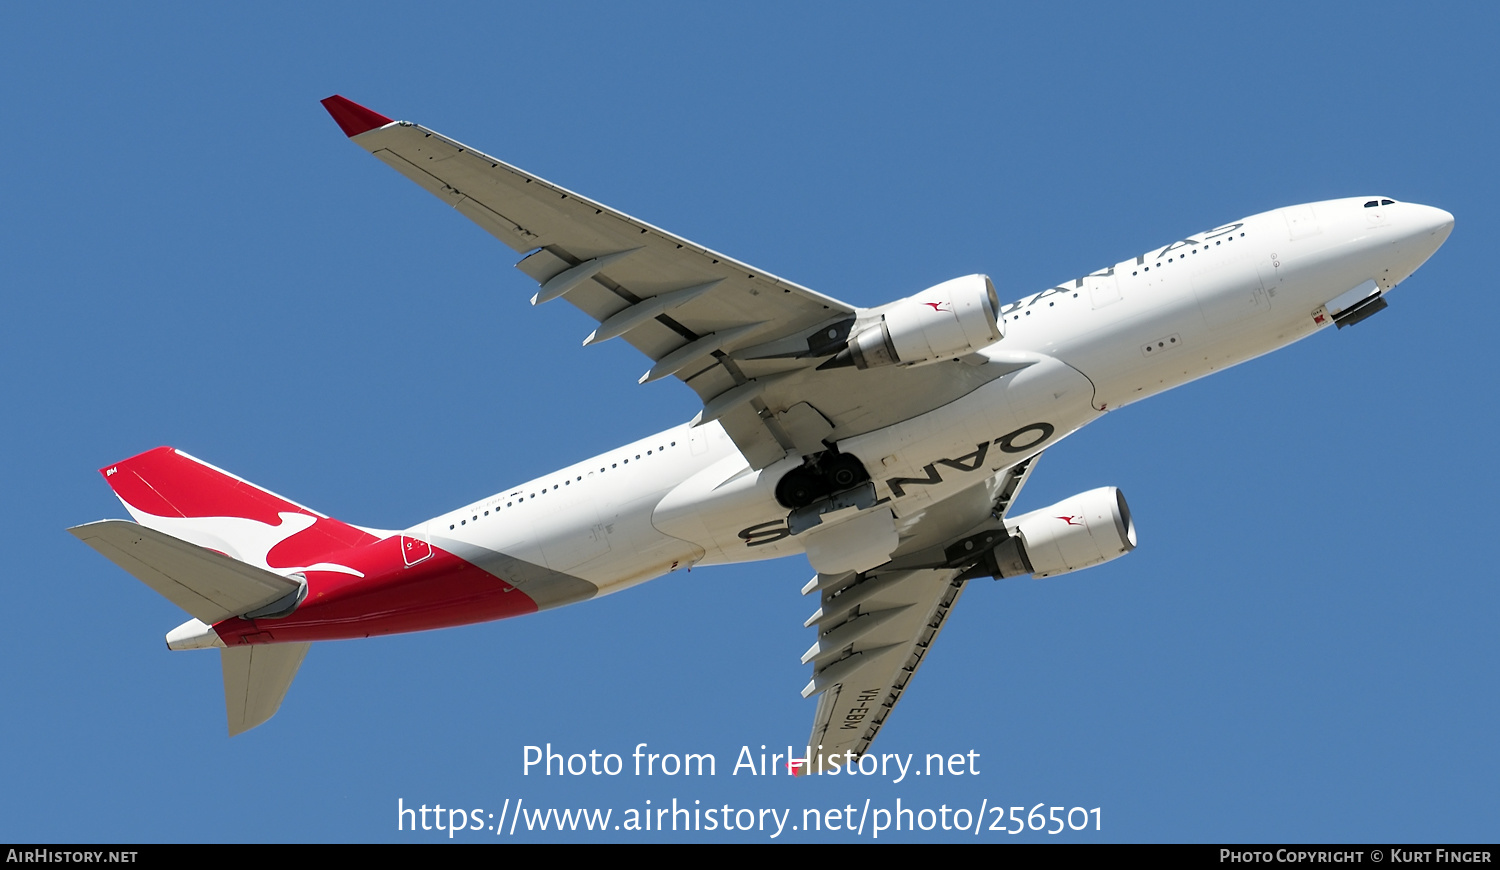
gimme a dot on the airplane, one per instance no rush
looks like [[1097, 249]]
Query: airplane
[[886, 444]]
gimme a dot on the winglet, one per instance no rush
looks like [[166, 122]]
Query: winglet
[[353, 118]]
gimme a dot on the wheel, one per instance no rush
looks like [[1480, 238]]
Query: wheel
[[799, 488], [845, 471]]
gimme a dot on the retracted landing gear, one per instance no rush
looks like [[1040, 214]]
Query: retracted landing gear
[[819, 477]]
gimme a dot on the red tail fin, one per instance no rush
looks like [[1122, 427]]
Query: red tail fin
[[170, 491]]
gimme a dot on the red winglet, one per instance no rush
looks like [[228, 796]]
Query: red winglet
[[353, 118]]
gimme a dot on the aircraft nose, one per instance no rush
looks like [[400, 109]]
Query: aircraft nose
[[1421, 230], [1431, 222]]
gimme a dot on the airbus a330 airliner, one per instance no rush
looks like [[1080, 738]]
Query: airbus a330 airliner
[[886, 444]]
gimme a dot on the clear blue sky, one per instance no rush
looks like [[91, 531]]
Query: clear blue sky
[[1302, 648]]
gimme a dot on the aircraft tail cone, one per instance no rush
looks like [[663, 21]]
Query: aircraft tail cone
[[194, 634]]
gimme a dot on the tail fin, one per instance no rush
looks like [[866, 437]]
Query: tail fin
[[170, 491]]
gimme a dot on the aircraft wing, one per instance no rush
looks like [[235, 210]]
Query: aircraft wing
[[874, 636], [747, 342], [877, 627]]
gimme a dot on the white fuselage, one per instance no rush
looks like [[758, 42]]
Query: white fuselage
[[687, 496]]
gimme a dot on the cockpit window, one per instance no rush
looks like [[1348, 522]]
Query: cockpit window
[[1387, 202], [1372, 203], [1379, 202]]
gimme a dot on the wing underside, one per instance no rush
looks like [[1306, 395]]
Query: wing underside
[[899, 616], [684, 306], [747, 342]]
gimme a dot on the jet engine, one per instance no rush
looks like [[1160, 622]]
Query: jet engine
[[949, 320], [1078, 532]]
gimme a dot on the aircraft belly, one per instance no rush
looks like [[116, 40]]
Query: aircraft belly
[[547, 587], [732, 512], [568, 530], [715, 506], [939, 453], [638, 550]]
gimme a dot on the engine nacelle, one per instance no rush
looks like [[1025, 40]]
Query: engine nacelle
[[1078, 532], [952, 319]]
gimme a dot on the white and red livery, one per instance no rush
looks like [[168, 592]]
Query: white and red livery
[[886, 444]]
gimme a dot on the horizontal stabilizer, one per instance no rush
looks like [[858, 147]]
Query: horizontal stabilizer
[[256, 679], [208, 585]]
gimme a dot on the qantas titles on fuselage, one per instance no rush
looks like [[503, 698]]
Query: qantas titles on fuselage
[[1022, 440], [888, 443], [1218, 236]]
